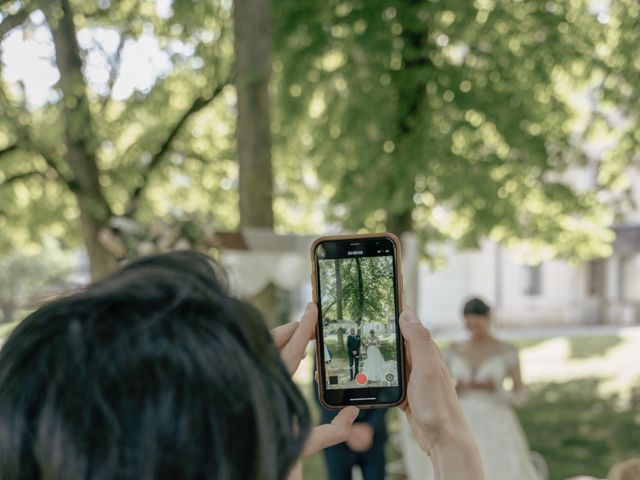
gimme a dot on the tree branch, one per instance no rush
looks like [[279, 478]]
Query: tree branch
[[27, 143], [12, 21], [116, 61], [198, 104], [19, 176], [69, 182], [8, 149], [114, 64]]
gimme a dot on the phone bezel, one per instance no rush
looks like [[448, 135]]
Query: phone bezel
[[347, 395]]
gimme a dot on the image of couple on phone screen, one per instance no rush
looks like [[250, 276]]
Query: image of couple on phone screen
[[359, 336]]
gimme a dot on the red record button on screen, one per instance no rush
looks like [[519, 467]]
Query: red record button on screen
[[361, 378]]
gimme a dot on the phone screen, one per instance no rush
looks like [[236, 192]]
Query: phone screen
[[359, 311]]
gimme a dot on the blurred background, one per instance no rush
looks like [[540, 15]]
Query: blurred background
[[499, 137]]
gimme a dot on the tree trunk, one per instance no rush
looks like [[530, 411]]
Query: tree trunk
[[253, 68], [80, 138], [339, 313], [341, 348], [338, 290], [360, 294], [8, 312], [412, 94], [253, 131], [398, 223]]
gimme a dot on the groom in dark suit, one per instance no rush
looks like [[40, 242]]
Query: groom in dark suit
[[353, 349]]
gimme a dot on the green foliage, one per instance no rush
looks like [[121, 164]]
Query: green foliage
[[593, 346], [335, 350], [461, 114], [369, 301], [388, 350], [618, 78], [195, 171], [578, 431], [456, 112]]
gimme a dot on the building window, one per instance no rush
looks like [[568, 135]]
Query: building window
[[595, 278], [533, 280]]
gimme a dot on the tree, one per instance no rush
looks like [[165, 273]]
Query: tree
[[359, 293], [253, 68], [453, 119], [365, 294], [80, 136], [125, 142], [339, 307], [615, 102]]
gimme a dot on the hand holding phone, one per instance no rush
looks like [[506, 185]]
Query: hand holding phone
[[292, 340], [357, 286], [432, 407]]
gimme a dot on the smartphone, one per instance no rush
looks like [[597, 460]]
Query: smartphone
[[357, 285]]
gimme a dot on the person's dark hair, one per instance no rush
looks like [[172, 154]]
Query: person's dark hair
[[153, 373], [475, 306]]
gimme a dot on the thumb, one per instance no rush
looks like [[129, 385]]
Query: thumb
[[417, 336], [327, 435]]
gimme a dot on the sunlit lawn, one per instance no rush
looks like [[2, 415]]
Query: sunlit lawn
[[577, 431]]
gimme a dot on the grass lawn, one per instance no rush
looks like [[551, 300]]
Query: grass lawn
[[577, 431], [593, 346]]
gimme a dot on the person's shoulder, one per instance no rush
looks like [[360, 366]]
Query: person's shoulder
[[509, 352], [459, 345], [506, 348]]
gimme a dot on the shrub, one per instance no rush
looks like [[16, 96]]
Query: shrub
[[388, 350], [332, 345]]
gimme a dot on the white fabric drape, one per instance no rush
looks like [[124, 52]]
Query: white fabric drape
[[282, 260], [250, 272]]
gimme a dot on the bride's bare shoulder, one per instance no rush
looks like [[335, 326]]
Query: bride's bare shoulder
[[506, 348], [458, 346]]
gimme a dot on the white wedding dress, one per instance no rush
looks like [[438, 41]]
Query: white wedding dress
[[374, 363], [503, 446]]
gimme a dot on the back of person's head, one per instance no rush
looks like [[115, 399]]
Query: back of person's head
[[475, 306], [628, 470], [153, 373]]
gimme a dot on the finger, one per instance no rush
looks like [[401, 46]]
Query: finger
[[282, 334], [294, 350], [332, 433]]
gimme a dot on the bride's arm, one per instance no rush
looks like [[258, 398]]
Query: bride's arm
[[517, 396]]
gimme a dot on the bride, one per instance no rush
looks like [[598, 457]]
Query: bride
[[374, 363], [479, 366]]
